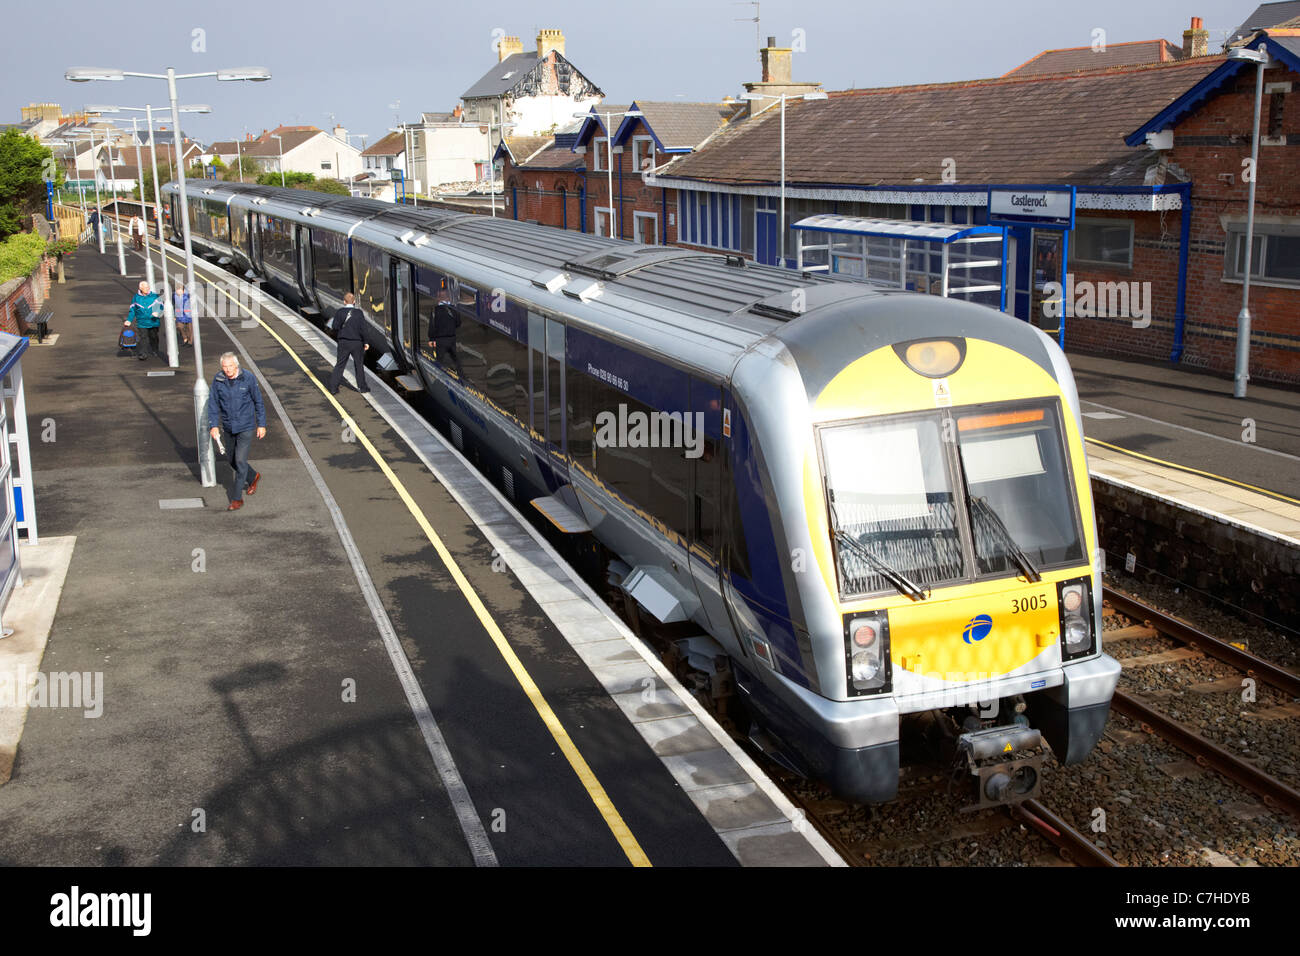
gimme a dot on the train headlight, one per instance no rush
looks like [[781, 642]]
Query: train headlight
[[866, 651], [933, 358], [865, 667], [1074, 598]]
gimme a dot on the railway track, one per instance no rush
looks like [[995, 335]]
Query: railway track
[[1147, 622]]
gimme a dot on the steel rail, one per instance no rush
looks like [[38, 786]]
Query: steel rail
[[1274, 792], [1180, 630]]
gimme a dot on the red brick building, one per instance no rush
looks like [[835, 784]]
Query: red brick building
[[566, 182]]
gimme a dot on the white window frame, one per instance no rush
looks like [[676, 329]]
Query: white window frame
[[639, 217], [636, 165], [1103, 221], [598, 151], [1263, 232], [596, 223]]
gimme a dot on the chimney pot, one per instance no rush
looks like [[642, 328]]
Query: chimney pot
[[548, 40], [1196, 40]]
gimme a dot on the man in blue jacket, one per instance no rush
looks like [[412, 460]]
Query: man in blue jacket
[[235, 405]]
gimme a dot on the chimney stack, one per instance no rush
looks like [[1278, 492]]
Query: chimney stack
[[508, 46], [777, 78], [548, 40], [776, 62], [457, 113], [340, 132], [1196, 41]]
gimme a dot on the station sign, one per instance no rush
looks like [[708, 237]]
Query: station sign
[[1047, 207]]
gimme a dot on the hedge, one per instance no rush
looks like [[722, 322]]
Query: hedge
[[20, 254]]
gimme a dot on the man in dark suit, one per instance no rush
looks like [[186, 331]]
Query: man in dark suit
[[446, 320], [351, 324]]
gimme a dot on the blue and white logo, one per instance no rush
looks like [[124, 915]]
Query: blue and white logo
[[977, 628]]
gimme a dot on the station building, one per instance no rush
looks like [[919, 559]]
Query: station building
[[1149, 146]]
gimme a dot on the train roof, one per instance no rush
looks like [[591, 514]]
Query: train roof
[[702, 308]]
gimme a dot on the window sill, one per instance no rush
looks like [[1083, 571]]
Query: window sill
[[1267, 283]]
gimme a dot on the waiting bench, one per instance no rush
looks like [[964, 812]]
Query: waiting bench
[[41, 320]]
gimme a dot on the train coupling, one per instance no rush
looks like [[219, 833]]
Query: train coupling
[[1005, 762]]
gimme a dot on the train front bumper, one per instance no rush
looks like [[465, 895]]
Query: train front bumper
[[1073, 714]]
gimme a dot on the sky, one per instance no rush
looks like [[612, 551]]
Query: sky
[[362, 65]]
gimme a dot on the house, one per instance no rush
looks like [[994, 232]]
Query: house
[[1267, 16], [449, 148], [1103, 55], [536, 93], [305, 149]]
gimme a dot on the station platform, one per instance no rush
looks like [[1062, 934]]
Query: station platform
[[376, 661], [1179, 435]]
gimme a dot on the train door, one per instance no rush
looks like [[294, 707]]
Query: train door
[[255, 241], [306, 281], [546, 385], [403, 306], [704, 454]]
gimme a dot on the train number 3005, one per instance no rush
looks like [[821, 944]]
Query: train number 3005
[[1032, 603]]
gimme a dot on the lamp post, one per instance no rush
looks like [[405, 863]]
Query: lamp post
[[169, 312], [609, 153], [117, 226], [277, 136], [408, 161], [94, 175], [815, 95], [492, 163], [1241, 375], [207, 469]]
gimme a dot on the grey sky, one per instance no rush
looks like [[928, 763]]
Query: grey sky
[[353, 59]]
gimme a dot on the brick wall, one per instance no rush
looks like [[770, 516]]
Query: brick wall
[[35, 289]]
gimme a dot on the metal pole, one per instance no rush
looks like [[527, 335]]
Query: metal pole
[[609, 168], [782, 244], [139, 171], [169, 313], [239, 160], [491, 170], [280, 140], [99, 208], [117, 226], [207, 468], [1242, 373]]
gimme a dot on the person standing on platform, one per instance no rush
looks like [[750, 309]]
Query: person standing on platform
[[351, 324], [235, 406], [184, 319], [144, 312], [93, 222], [137, 232]]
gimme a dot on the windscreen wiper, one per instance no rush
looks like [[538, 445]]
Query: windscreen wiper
[[1014, 550], [894, 577]]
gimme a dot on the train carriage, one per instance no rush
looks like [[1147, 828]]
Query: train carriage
[[866, 504]]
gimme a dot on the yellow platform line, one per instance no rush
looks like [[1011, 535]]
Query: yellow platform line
[[1204, 474], [570, 750]]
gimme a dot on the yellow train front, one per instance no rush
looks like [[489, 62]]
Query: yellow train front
[[943, 554]]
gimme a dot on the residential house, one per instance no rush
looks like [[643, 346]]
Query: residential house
[[534, 93]]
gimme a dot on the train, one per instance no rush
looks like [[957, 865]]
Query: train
[[863, 507]]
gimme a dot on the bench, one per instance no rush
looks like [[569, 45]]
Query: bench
[[41, 321]]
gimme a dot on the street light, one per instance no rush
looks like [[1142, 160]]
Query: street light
[[408, 160], [492, 162], [609, 153], [169, 313], [207, 469], [1241, 374], [277, 136], [815, 95], [94, 174]]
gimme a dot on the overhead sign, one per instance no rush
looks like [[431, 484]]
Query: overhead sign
[[1050, 207]]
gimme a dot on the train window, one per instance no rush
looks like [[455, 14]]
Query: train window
[[1016, 474], [330, 262], [370, 279], [706, 400], [635, 450], [555, 382], [890, 490], [239, 229], [536, 332], [428, 286]]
